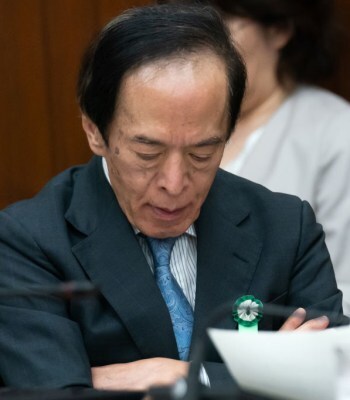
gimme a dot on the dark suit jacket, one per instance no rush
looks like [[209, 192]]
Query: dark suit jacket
[[249, 241]]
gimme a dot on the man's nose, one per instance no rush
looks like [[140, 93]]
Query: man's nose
[[173, 176]]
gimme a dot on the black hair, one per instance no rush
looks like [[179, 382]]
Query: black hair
[[311, 54], [149, 34]]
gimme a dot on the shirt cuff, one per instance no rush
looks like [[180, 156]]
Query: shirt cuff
[[203, 377]]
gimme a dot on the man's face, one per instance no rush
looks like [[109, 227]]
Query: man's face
[[166, 142]]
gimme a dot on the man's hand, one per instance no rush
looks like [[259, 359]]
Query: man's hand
[[139, 375], [296, 322]]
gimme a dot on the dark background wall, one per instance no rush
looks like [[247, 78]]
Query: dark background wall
[[41, 43]]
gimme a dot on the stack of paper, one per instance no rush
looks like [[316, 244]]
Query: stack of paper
[[287, 365]]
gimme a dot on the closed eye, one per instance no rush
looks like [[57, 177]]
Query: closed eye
[[148, 156], [201, 157]]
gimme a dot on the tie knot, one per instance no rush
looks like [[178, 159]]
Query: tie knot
[[161, 250]]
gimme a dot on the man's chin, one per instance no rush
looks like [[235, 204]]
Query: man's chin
[[162, 232]]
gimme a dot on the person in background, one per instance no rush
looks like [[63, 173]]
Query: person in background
[[292, 136], [164, 234]]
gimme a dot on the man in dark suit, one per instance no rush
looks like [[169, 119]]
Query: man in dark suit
[[160, 91]]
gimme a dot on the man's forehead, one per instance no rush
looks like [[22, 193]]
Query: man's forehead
[[204, 58], [176, 78], [175, 89]]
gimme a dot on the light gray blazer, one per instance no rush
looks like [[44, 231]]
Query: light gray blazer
[[305, 150]]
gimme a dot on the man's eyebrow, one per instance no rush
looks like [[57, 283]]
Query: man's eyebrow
[[212, 141], [209, 142], [145, 140]]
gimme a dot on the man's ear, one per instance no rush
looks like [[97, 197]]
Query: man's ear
[[94, 137]]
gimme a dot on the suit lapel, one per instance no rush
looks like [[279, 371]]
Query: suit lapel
[[112, 258], [227, 253]]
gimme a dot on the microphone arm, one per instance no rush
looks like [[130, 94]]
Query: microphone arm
[[65, 290]]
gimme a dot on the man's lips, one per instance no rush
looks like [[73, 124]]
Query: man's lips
[[166, 213]]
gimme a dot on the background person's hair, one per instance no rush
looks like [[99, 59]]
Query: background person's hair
[[146, 35], [311, 54]]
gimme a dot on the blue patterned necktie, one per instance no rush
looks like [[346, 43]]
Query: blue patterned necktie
[[179, 308]]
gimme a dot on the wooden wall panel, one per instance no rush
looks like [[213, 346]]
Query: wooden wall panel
[[68, 28], [41, 43], [340, 83], [25, 162]]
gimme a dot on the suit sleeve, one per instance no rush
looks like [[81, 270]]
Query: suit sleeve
[[36, 333], [313, 282]]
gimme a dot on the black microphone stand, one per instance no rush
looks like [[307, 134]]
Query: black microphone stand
[[65, 290]]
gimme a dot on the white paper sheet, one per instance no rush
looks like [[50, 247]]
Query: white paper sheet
[[284, 365]]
